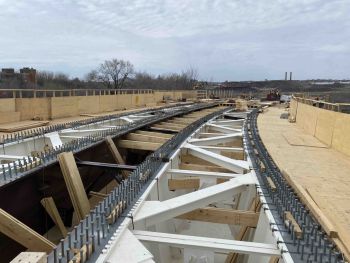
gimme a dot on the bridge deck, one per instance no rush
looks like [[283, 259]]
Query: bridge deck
[[322, 172]]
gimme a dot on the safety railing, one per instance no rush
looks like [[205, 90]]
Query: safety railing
[[339, 107], [48, 93]]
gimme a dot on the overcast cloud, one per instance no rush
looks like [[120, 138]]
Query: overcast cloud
[[223, 39]]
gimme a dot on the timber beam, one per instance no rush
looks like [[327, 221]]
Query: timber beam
[[183, 183], [138, 145], [23, 234], [145, 138], [154, 134], [223, 216]]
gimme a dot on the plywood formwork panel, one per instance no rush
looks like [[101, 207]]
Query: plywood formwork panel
[[7, 105], [341, 134], [108, 103], [7, 117], [325, 125], [34, 108], [124, 101], [64, 107], [308, 119], [88, 104]]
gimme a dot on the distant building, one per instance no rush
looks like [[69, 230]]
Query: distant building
[[25, 78], [28, 75]]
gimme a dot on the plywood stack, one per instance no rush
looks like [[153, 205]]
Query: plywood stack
[[21, 125], [74, 184]]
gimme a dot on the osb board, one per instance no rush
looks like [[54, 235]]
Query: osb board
[[124, 101], [341, 134], [331, 128], [325, 125], [310, 167], [7, 105], [64, 107], [6, 117], [308, 119], [302, 140], [108, 103], [34, 108], [88, 104], [21, 125]]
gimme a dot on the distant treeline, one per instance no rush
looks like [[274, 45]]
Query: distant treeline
[[112, 74]]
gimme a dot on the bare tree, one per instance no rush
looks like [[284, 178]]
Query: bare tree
[[112, 73]]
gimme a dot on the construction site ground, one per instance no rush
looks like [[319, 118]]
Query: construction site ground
[[321, 172]]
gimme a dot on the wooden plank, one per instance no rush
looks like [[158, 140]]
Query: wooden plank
[[23, 234], [271, 184], [221, 180], [274, 259], [298, 232], [30, 257], [22, 125], [145, 138], [244, 230], [113, 149], [81, 255], [223, 216], [168, 123], [178, 122], [156, 134], [304, 196], [116, 154], [74, 184], [49, 204], [184, 183], [163, 129], [167, 127], [148, 146], [200, 167], [189, 158], [98, 194]]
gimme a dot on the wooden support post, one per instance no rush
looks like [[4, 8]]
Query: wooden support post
[[23, 234], [223, 216], [271, 184], [50, 207], [183, 183], [116, 154], [290, 218], [74, 184], [255, 207], [116, 212], [81, 255], [113, 149]]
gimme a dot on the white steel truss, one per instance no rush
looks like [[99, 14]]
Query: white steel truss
[[157, 218]]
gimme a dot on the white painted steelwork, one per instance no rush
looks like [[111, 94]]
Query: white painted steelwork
[[169, 239]]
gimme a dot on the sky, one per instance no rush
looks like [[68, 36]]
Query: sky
[[222, 39]]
